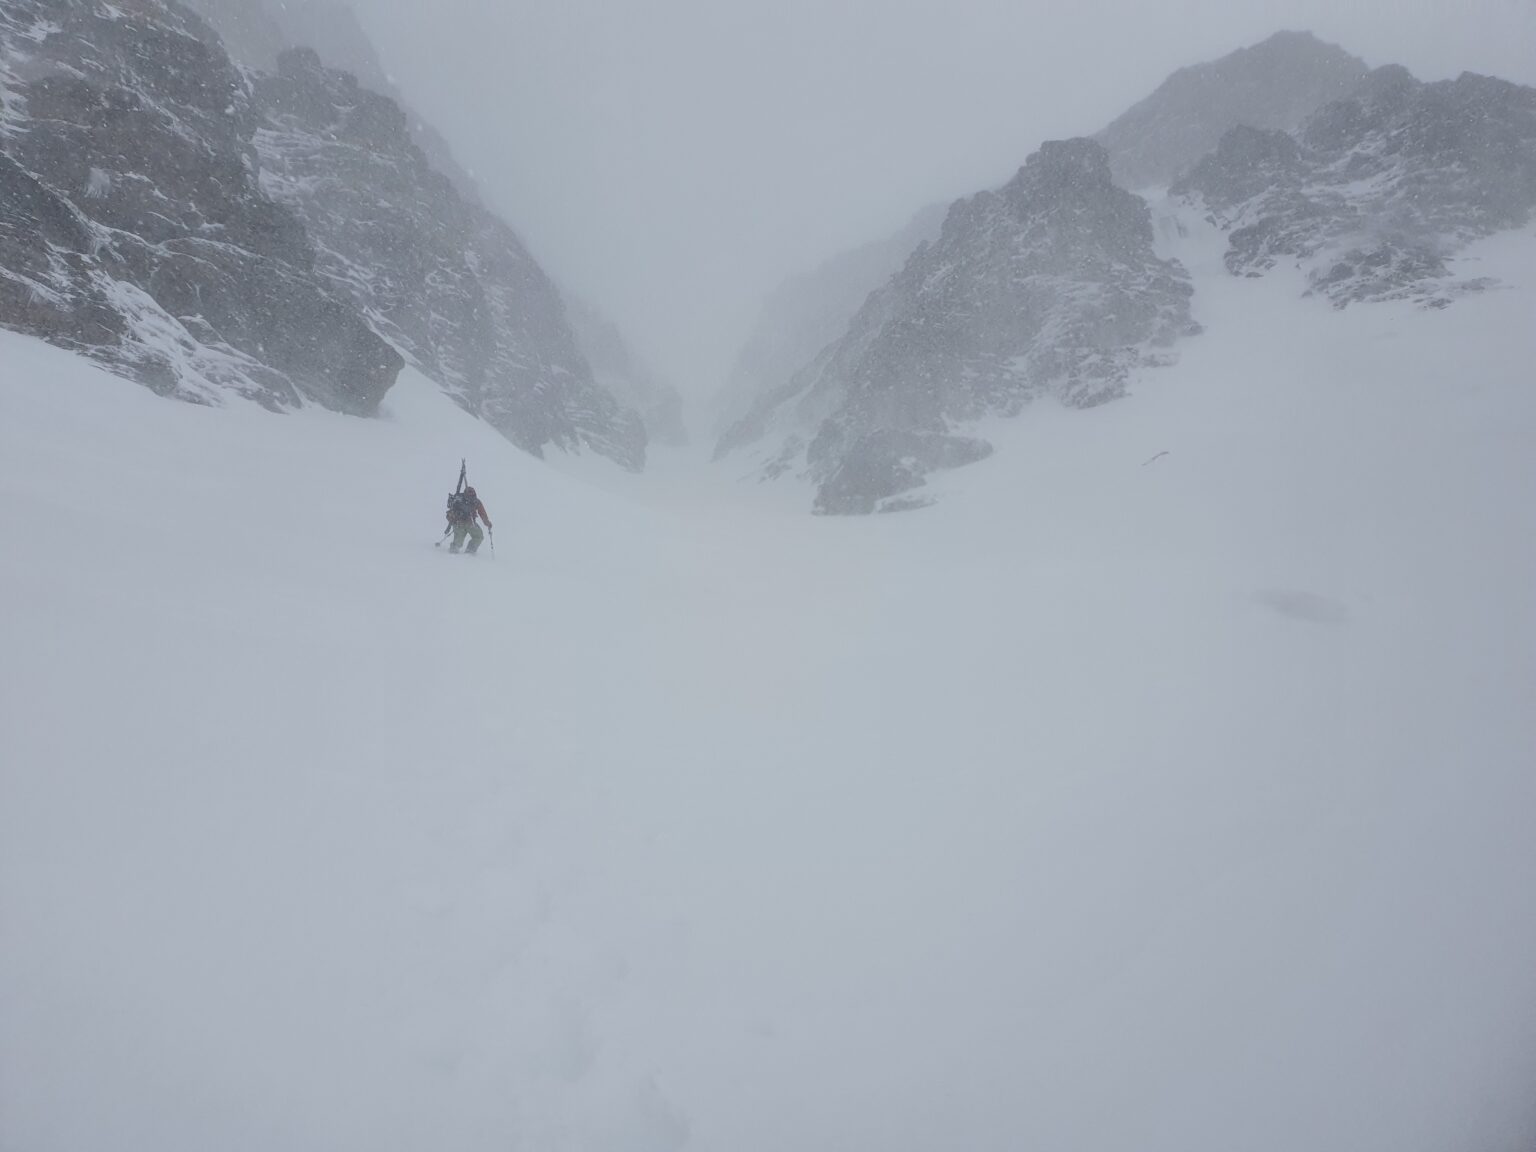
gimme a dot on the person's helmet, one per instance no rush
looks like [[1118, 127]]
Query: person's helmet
[[468, 491]]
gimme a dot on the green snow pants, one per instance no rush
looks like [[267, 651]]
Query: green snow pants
[[466, 528]]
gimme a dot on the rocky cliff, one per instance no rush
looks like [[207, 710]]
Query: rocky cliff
[[257, 32], [1375, 192], [447, 282], [1048, 286], [1273, 84], [133, 225], [211, 229]]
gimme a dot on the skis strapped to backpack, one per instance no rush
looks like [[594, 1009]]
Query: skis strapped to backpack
[[459, 507]]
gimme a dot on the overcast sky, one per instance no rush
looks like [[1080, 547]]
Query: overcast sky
[[674, 160]]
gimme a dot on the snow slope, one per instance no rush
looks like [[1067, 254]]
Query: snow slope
[[1112, 803]]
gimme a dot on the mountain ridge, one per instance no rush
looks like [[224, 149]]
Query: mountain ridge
[[214, 230], [159, 253], [1374, 192], [448, 282], [1046, 286], [1371, 195]]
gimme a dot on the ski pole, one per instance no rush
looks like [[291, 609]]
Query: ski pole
[[492, 533], [438, 543]]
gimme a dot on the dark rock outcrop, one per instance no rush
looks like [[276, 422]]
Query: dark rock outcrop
[[133, 226], [1377, 190], [1275, 84], [1048, 286], [442, 276], [448, 283], [257, 32]]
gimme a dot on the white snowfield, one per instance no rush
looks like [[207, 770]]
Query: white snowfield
[[1169, 785]]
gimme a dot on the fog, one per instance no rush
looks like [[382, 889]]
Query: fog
[[1156, 775], [674, 161]]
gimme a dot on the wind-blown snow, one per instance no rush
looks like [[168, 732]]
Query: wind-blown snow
[[1168, 785]]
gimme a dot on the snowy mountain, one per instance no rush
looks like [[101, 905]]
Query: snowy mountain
[[211, 229], [447, 282], [1376, 191], [806, 313], [1275, 84], [1048, 286], [132, 221], [257, 32], [1167, 785]]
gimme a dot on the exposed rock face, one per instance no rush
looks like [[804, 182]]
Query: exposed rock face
[[132, 223], [1048, 286], [1274, 84], [621, 372], [208, 229], [256, 33], [445, 281], [809, 312], [1377, 190]]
